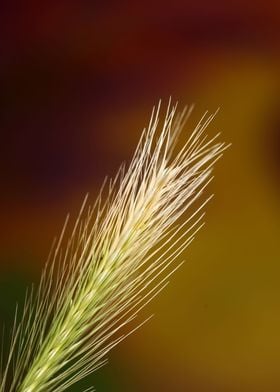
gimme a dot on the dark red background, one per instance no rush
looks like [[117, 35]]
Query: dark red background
[[77, 84]]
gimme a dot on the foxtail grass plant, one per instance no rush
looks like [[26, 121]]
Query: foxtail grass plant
[[117, 258]]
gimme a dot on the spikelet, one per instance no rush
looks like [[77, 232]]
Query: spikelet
[[118, 257]]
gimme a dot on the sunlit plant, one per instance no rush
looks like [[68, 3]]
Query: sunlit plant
[[118, 257]]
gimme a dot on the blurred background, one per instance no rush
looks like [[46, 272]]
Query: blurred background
[[78, 82]]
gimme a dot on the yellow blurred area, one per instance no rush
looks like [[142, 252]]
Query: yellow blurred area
[[219, 321]]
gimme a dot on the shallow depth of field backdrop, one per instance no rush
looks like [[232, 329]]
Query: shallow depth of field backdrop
[[77, 84]]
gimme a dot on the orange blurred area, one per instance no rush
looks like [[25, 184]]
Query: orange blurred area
[[78, 82]]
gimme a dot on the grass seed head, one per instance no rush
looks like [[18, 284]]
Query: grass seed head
[[118, 257]]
